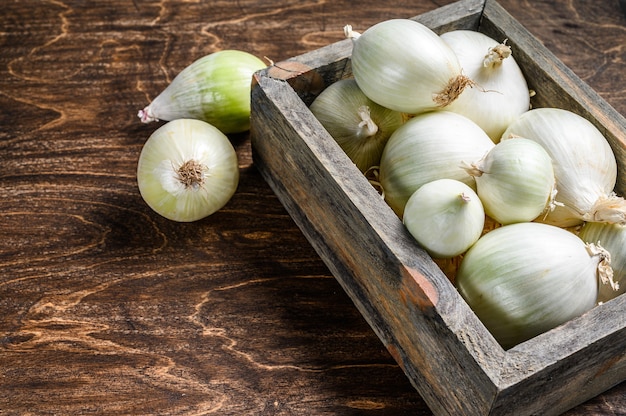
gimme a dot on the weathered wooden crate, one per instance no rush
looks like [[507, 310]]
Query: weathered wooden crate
[[449, 356]]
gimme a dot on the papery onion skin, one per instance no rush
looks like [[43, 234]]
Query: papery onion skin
[[429, 146], [215, 88], [168, 149], [445, 216], [612, 237], [403, 65], [500, 93], [524, 279], [339, 107], [584, 164], [515, 181]]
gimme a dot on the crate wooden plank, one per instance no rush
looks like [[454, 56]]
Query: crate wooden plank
[[446, 352]]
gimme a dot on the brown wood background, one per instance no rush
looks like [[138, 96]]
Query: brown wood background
[[107, 308]]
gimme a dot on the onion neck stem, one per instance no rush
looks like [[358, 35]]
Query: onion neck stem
[[496, 55], [367, 127]]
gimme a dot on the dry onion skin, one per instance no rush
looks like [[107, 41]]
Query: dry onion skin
[[187, 170], [524, 279], [403, 65], [360, 126]]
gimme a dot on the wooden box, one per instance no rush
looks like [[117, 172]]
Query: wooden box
[[449, 356]]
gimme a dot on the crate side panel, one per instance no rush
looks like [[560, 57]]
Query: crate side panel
[[398, 301], [570, 374]]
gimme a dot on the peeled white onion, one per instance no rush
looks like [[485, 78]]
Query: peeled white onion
[[445, 216], [360, 126], [515, 180], [403, 65], [527, 278], [500, 93], [429, 146], [584, 166], [187, 170]]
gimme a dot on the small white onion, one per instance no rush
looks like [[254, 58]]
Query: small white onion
[[612, 238], [429, 146], [445, 216], [187, 170], [527, 278], [360, 126], [584, 166], [403, 65], [500, 93], [515, 181]]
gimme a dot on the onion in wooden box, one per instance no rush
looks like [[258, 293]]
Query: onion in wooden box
[[448, 354]]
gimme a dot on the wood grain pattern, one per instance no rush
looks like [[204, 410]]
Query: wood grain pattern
[[106, 308]]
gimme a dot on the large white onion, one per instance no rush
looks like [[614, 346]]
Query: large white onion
[[405, 66], [584, 166], [429, 146], [500, 93], [527, 278]]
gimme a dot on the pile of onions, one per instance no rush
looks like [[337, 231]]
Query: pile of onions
[[478, 176]]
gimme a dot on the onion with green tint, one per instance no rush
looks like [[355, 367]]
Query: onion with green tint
[[445, 216], [524, 279], [359, 125], [215, 88]]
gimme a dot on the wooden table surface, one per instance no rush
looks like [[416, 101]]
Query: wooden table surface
[[107, 308]]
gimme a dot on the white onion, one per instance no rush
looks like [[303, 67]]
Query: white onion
[[612, 238], [214, 88], [360, 126], [429, 146], [584, 166], [187, 170], [500, 93], [527, 278], [515, 181], [445, 216], [405, 66]]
